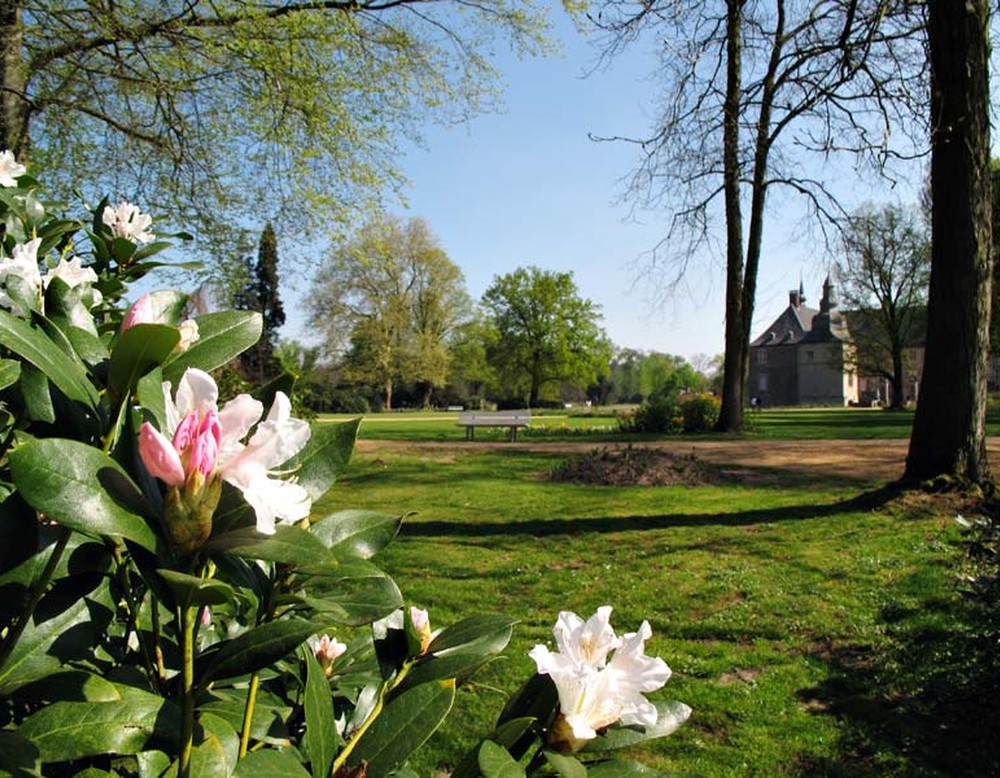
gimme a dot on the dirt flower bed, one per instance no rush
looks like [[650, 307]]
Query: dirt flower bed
[[635, 466]]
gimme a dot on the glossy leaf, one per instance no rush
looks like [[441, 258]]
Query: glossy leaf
[[486, 633], [255, 649], [670, 715], [565, 766], [71, 686], [31, 344], [360, 601], [495, 762], [221, 337], [290, 545], [218, 728], [189, 590], [10, 369], [152, 764], [403, 726], [73, 730], [620, 768], [269, 763], [66, 305], [18, 756], [537, 699], [355, 533], [137, 351], [81, 488], [35, 394], [65, 627], [322, 738], [507, 735], [325, 456]]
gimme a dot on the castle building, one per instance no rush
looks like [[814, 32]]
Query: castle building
[[806, 356]]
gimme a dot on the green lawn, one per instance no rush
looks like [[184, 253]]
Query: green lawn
[[600, 425], [814, 627]]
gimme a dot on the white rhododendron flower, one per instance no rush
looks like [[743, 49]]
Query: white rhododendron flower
[[72, 273], [248, 466], [127, 221], [595, 692], [22, 264], [10, 169]]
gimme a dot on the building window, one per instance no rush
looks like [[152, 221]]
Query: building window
[[761, 357], [809, 356], [762, 383]]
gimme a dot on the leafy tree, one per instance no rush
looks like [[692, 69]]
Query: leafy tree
[[949, 428], [748, 87], [546, 334], [260, 293], [469, 369], [884, 275], [247, 107], [388, 300]]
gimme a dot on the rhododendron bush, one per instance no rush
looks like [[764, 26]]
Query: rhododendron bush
[[171, 603]]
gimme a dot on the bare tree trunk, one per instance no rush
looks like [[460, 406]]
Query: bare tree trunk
[[387, 395], [949, 427], [898, 378], [13, 108], [736, 360]]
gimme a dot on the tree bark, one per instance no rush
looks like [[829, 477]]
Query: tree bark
[[736, 360], [13, 106], [948, 434]]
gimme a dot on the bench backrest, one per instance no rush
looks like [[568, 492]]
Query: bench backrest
[[500, 418]]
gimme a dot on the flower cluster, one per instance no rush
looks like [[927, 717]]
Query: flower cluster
[[595, 692], [202, 444]]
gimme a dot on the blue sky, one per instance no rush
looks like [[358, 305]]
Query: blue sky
[[527, 187]]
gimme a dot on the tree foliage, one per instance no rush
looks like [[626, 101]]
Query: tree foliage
[[546, 334], [884, 273], [260, 293], [242, 107], [748, 90], [387, 301]]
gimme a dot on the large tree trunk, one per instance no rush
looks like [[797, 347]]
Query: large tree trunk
[[898, 378], [736, 359], [949, 427], [13, 108]]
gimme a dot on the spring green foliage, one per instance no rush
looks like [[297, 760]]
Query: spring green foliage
[[545, 334], [388, 300], [238, 110]]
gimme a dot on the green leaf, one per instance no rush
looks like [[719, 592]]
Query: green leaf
[[208, 760], [289, 545], [166, 306], [66, 626], [35, 394], [73, 730], [486, 633], [71, 686], [255, 649], [10, 369], [325, 456], [218, 729], [189, 590], [508, 735], [270, 763], [565, 766], [221, 337], [81, 488], [149, 391], [18, 756], [403, 726], [359, 601], [152, 764], [495, 762], [356, 533], [67, 306], [137, 351], [322, 738], [32, 345], [670, 715]]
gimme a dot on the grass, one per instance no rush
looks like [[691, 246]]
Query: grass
[[814, 626], [599, 425]]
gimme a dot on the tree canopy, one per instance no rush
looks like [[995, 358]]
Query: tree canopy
[[232, 110], [546, 334], [388, 300]]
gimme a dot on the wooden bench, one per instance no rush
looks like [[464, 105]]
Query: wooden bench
[[510, 419]]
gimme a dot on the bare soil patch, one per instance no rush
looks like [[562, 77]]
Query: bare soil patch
[[638, 466]]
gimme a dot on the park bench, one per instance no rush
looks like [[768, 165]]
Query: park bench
[[510, 419]]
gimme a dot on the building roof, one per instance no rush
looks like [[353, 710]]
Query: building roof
[[799, 324], [789, 328]]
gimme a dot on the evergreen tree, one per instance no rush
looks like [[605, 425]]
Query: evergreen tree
[[259, 292]]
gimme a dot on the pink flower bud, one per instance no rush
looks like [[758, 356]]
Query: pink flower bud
[[197, 441], [139, 312], [159, 456], [327, 650], [206, 616]]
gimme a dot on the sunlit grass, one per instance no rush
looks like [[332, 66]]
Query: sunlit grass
[[787, 611]]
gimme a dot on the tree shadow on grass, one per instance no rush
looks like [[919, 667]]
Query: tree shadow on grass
[[927, 704], [539, 528]]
